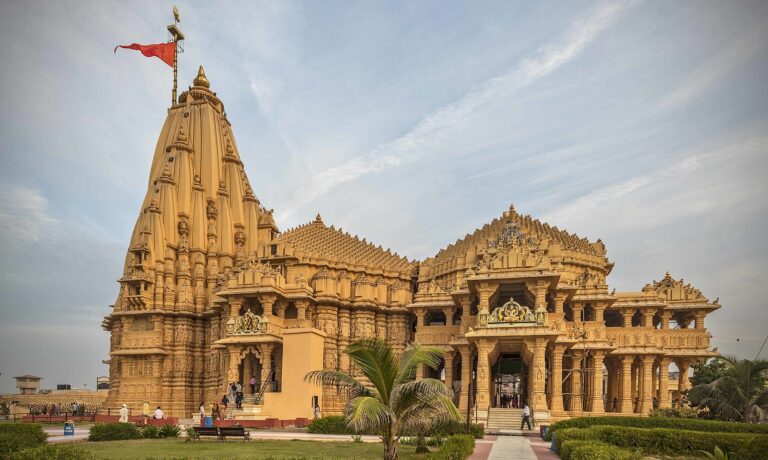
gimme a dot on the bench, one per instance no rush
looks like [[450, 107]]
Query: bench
[[236, 431], [206, 431], [221, 433]]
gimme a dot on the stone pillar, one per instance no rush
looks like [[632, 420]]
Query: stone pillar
[[556, 378], [647, 318], [598, 406], [576, 400], [247, 369], [280, 306], [420, 315], [665, 315], [699, 320], [646, 396], [234, 364], [626, 316], [682, 383], [234, 307], [301, 310], [483, 377], [466, 308], [466, 378], [537, 374], [636, 384], [664, 382], [626, 384], [266, 366], [344, 338], [578, 310], [449, 369], [267, 302]]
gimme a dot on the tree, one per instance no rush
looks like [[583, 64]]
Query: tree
[[386, 399], [740, 394], [707, 371]]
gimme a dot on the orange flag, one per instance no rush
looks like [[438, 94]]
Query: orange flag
[[164, 51]]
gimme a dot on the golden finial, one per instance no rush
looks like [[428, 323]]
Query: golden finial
[[200, 79]]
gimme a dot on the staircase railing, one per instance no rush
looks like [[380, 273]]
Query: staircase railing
[[263, 387]]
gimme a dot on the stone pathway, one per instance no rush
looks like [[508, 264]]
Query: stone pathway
[[512, 448]]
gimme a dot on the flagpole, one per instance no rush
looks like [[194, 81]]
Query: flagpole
[[177, 37]]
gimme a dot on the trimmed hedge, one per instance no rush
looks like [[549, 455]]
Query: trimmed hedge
[[659, 440], [755, 449], [456, 447], [114, 432], [52, 452], [331, 424], [17, 436], [660, 422], [592, 450], [336, 424]]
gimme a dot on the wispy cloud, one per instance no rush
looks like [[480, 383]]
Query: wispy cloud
[[24, 214], [429, 132]]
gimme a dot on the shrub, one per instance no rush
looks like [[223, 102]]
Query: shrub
[[113, 432], [169, 431], [660, 422], [17, 436], [591, 450], [446, 429], [332, 424], [676, 412], [150, 432], [456, 447], [660, 440], [753, 450], [52, 452]]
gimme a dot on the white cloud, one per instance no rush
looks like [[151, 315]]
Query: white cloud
[[24, 214], [427, 135]]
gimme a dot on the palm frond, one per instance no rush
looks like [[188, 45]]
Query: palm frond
[[416, 391], [417, 354], [368, 413], [377, 362], [338, 380]]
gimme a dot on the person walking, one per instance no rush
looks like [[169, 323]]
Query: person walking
[[123, 414], [202, 413], [253, 384], [145, 411], [526, 417], [317, 411]]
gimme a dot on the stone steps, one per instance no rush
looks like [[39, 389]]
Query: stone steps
[[500, 419]]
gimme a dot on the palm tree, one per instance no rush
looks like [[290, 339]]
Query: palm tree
[[387, 399], [740, 394]]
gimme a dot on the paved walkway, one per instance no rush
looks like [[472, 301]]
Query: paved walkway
[[512, 448]]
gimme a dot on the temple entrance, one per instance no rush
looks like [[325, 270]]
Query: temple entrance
[[509, 377], [250, 368]]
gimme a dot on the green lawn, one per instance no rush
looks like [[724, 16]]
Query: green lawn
[[256, 449]]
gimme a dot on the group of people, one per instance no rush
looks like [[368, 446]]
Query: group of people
[[510, 401], [158, 414]]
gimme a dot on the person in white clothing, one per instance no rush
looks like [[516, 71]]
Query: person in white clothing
[[124, 414], [202, 414], [159, 413], [526, 417]]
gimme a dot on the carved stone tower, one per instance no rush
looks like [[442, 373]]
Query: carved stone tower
[[199, 217]]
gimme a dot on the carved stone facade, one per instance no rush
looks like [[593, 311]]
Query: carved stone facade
[[212, 293]]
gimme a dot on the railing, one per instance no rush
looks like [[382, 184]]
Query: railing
[[264, 385]]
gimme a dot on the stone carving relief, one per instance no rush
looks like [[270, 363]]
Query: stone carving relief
[[248, 323], [511, 312]]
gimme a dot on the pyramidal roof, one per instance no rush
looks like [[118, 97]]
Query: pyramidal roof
[[334, 244], [513, 225], [198, 193]]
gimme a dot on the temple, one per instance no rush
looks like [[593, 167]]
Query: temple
[[213, 293]]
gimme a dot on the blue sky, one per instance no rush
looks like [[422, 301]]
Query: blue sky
[[407, 123]]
